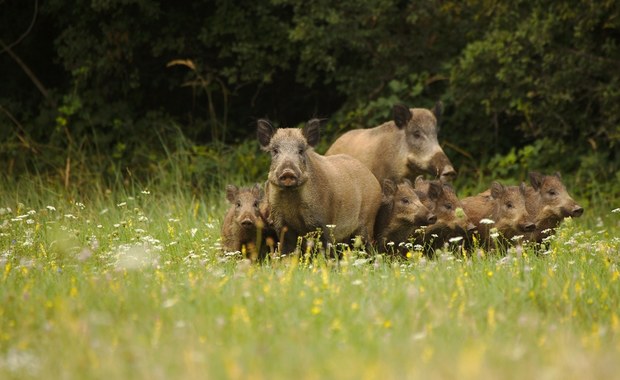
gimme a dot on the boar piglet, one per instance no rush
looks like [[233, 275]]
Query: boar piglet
[[452, 221], [549, 202], [245, 226], [309, 192], [400, 214], [402, 148], [501, 207]]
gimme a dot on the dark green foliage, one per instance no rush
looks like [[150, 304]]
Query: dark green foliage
[[129, 88]]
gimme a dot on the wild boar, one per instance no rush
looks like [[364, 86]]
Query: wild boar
[[245, 227], [501, 207], [402, 148], [452, 221], [308, 191], [401, 212], [549, 202]]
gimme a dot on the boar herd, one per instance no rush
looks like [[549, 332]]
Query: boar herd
[[369, 187]]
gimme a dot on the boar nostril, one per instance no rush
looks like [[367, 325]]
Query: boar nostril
[[432, 218], [247, 222], [529, 227], [578, 211]]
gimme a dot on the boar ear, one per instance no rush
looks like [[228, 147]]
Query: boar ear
[[522, 188], [312, 131], [257, 192], [389, 188], [264, 132], [401, 115], [557, 174], [437, 110], [536, 180], [231, 193], [419, 181], [434, 190], [406, 182], [497, 190]]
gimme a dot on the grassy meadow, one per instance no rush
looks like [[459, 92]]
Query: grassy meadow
[[131, 285]]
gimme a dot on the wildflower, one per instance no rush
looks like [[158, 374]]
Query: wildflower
[[330, 226], [616, 210], [517, 237], [122, 204], [487, 221], [70, 216], [455, 239], [145, 192]]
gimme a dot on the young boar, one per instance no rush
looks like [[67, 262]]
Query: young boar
[[402, 148], [440, 198], [401, 212], [503, 208], [245, 226], [308, 191], [549, 202]]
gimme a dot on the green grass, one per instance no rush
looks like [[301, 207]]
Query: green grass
[[115, 284]]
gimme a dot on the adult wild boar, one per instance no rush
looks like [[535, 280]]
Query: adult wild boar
[[401, 212], [402, 148], [549, 202], [308, 191], [501, 207], [452, 221], [245, 226]]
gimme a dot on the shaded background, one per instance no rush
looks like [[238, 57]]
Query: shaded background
[[106, 91]]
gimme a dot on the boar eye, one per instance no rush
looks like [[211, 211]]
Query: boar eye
[[405, 201], [510, 205], [448, 206], [275, 151], [417, 134], [301, 151], [255, 204], [553, 193], [238, 204]]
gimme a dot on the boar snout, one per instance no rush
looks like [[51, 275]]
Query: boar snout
[[577, 211], [448, 174], [471, 227], [247, 223], [288, 178], [432, 219], [528, 227]]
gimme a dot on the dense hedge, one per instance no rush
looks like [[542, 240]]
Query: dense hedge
[[115, 86]]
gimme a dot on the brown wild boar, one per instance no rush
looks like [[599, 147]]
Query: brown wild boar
[[401, 212], [549, 202], [501, 207], [308, 191], [402, 148], [245, 226], [440, 198]]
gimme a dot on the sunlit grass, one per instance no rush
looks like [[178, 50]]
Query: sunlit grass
[[132, 285]]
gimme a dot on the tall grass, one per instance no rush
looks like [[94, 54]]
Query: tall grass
[[130, 283]]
